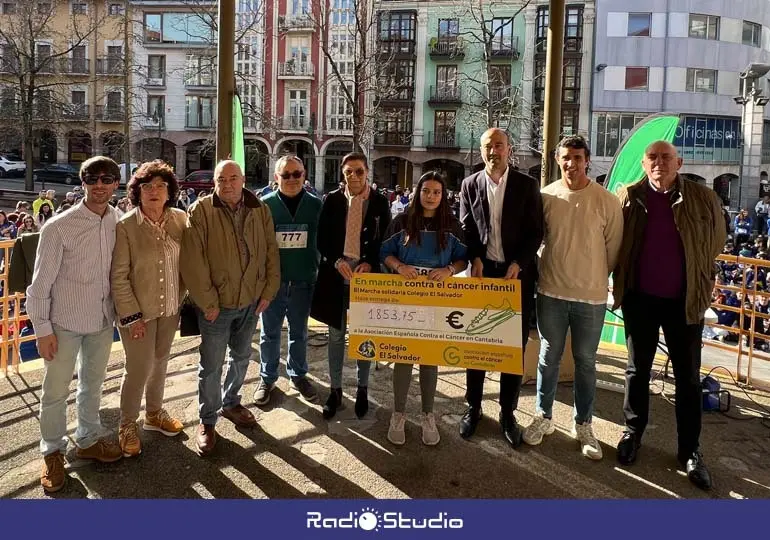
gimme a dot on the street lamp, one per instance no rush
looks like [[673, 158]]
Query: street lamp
[[751, 94], [157, 117]]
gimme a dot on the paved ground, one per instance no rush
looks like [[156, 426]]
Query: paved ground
[[295, 453]]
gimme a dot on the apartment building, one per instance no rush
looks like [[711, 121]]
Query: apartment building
[[70, 53], [685, 56]]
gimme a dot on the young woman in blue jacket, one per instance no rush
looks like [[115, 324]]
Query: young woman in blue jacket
[[425, 241]]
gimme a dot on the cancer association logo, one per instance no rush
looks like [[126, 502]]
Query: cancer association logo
[[371, 519]]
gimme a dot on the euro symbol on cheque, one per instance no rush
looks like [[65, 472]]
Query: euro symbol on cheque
[[453, 320]]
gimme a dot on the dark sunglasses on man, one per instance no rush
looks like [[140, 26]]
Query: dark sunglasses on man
[[91, 179], [296, 175]]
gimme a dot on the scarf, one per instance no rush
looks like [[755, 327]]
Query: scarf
[[354, 222]]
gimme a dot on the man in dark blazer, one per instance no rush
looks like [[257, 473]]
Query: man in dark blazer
[[502, 216], [352, 224]]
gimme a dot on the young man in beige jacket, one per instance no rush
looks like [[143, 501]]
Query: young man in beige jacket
[[583, 233]]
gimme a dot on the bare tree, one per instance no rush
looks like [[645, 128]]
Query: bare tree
[[486, 38], [36, 61]]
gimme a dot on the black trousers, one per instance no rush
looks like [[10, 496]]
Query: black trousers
[[643, 316], [510, 385]]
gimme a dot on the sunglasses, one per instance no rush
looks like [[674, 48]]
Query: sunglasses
[[350, 172], [296, 175], [91, 179]]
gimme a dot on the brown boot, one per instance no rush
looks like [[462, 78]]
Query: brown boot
[[104, 450], [205, 439], [240, 416], [52, 477]]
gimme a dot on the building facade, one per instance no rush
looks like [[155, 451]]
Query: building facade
[[684, 56], [71, 56]]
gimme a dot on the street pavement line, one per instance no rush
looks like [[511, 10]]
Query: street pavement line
[[647, 482]]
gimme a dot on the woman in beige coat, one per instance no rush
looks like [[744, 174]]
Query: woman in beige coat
[[148, 291]]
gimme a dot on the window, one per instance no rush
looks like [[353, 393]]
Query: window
[[340, 108], [343, 12], [569, 121], [397, 80], [78, 97], [79, 60], [571, 80], [752, 34], [298, 110], [701, 80], [199, 111], [541, 31], [502, 34], [199, 71], [9, 8], [115, 10], [573, 30], [152, 24], [156, 69], [446, 77], [156, 108], [448, 28], [444, 126], [44, 8], [43, 103], [639, 24], [43, 52], [8, 61], [114, 102], [397, 30], [611, 129], [177, 28], [394, 126], [8, 99], [114, 58], [300, 7], [79, 8], [539, 80], [637, 78], [704, 26]]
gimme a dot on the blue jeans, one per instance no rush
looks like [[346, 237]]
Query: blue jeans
[[293, 303], [233, 328], [337, 352], [94, 353], [586, 321]]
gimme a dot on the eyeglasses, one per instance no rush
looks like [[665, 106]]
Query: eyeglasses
[[149, 187], [350, 172], [296, 175], [91, 179]]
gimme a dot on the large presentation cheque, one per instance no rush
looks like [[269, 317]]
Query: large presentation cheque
[[459, 322]]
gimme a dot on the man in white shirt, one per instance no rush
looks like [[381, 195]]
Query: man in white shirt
[[762, 210], [584, 229], [70, 305]]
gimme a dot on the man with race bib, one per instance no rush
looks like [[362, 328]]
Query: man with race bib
[[295, 216]]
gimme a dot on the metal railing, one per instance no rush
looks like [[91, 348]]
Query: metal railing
[[443, 139], [110, 113], [75, 66], [76, 112], [295, 69], [110, 65], [445, 94], [294, 122], [294, 22], [447, 47]]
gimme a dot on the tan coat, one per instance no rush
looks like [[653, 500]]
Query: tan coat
[[698, 216], [139, 265], [210, 260]]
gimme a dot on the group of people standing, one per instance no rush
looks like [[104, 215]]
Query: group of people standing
[[290, 256]]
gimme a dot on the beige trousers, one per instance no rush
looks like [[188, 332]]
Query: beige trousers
[[145, 371]]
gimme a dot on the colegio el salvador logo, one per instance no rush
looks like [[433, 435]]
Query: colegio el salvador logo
[[370, 519]]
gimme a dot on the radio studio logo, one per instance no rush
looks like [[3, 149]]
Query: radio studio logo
[[371, 519]]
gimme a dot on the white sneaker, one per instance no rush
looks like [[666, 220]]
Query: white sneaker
[[396, 433], [539, 427], [430, 434], [589, 446]]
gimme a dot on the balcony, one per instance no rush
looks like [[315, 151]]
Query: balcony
[[295, 70], [339, 122], [77, 112], [399, 96], [155, 82], [295, 23], [192, 122], [447, 47], [442, 140], [505, 51], [393, 138], [110, 113], [75, 66], [110, 65], [397, 48], [294, 122], [445, 95], [152, 122], [46, 65], [200, 80], [499, 94]]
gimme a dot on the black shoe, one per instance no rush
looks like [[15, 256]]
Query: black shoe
[[362, 401], [628, 447], [511, 430], [333, 403], [469, 422], [696, 470], [305, 388]]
